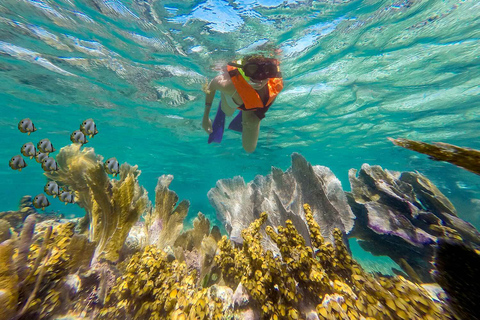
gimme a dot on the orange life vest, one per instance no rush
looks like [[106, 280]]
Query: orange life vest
[[251, 99]]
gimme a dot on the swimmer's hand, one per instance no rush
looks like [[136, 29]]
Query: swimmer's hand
[[207, 125]]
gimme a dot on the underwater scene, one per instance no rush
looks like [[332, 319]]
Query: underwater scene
[[240, 159]]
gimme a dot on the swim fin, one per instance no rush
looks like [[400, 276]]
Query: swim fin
[[236, 124], [218, 126]]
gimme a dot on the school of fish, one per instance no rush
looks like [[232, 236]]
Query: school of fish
[[41, 153]]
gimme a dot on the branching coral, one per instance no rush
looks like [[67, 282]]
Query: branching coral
[[113, 206], [155, 288], [8, 280], [323, 278], [33, 269]]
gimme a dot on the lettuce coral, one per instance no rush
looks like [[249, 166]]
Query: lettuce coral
[[113, 206], [164, 222]]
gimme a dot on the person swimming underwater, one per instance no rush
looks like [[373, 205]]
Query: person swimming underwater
[[250, 85]]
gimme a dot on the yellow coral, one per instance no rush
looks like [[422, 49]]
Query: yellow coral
[[112, 206], [326, 273], [8, 280]]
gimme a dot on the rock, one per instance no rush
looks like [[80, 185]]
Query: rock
[[435, 291], [136, 240], [282, 195], [241, 298], [401, 215], [458, 273]]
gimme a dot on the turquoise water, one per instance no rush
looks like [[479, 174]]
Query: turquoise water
[[356, 72]]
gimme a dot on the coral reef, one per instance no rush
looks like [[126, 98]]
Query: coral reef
[[197, 247], [293, 263], [5, 232], [113, 206], [322, 282], [15, 218], [466, 158], [154, 287], [282, 194], [34, 268], [8, 280], [401, 215]]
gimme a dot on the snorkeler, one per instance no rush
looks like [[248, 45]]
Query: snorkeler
[[251, 85]]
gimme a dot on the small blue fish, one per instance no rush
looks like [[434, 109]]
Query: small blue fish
[[89, 128], [111, 166], [40, 201], [49, 164], [40, 156], [26, 126], [78, 136], [45, 146], [52, 189], [67, 197], [28, 150], [17, 163]]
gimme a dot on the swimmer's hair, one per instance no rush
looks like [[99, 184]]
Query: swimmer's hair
[[255, 58]]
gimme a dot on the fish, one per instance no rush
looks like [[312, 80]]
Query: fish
[[52, 189], [26, 126], [17, 163], [40, 201], [78, 136], [45, 146], [67, 197], [111, 166], [89, 128], [49, 164], [28, 150], [40, 156]]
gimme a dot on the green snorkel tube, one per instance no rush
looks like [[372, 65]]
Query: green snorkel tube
[[241, 71], [239, 65]]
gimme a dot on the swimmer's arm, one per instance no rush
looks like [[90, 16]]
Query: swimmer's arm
[[210, 90], [210, 95]]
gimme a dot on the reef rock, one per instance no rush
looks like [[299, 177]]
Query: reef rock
[[282, 195], [25, 208], [458, 272], [401, 215]]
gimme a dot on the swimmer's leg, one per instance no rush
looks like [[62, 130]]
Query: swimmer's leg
[[251, 129]]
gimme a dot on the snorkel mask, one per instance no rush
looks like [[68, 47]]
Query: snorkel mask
[[259, 70]]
